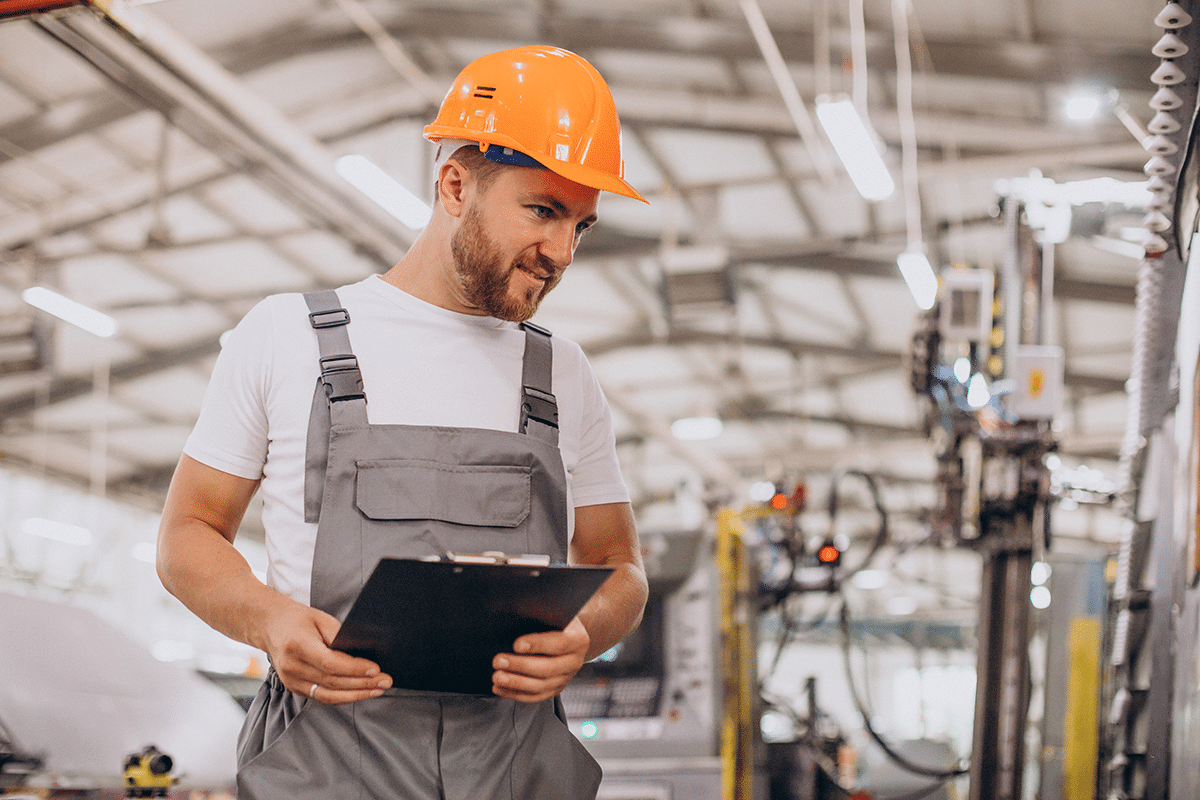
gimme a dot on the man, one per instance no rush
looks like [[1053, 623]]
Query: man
[[439, 424]]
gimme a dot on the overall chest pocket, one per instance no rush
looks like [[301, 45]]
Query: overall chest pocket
[[476, 495]]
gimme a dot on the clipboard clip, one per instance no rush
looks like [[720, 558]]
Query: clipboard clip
[[493, 557]]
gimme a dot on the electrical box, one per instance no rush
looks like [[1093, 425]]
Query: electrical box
[[1038, 373], [966, 310]]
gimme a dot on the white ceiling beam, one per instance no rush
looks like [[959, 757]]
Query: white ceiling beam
[[172, 74]]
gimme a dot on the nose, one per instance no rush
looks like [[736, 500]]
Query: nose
[[558, 246]]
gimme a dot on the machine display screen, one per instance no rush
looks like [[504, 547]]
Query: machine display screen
[[639, 655], [625, 681]]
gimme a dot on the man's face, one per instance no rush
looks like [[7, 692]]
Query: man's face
[[516, 238]]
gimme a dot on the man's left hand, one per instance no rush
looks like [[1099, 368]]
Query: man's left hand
[[541, 664]]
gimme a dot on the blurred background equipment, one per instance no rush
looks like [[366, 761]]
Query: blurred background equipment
[[83, 696], [148, 773], [988, 370]]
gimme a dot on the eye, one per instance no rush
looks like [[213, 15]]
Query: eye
[[543, 212], [584, 226]]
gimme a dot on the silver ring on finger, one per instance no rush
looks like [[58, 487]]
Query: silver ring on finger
[[312, 693]]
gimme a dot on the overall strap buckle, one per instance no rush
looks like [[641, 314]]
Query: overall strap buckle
[[342, 378], [539, 406], [339, 367], [537, 396], [329, 318]]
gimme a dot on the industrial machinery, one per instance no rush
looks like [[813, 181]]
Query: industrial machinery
[[16, 765], [148, 773], [121, 699], [650, 709], [674, 711], [993, 387]]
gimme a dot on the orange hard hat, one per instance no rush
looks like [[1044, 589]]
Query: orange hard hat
[[544, 102]]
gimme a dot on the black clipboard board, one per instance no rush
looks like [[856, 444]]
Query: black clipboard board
[[437, 625]]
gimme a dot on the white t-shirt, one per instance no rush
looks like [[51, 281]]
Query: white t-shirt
[[421, 365]]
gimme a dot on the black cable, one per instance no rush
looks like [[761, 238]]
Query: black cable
[[942, 775], [917, 794], [881, 534], [790, 629]]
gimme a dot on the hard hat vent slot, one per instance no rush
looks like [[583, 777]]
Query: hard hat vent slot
[[486, 92]]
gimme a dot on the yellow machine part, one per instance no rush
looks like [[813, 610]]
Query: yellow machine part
[[1082, 740], [737, 660]]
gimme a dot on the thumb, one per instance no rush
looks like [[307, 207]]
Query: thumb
[[327, 625]]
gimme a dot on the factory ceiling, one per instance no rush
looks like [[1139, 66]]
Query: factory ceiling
[[171, 165]]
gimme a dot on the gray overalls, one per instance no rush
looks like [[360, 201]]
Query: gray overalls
[[412, 491]]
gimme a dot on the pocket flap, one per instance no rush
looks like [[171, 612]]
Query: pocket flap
[[486, 495]]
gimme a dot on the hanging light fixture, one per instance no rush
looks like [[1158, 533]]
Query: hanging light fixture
[[919, 276], [68, 310], [697, 428], [855, 146], [914, 264]]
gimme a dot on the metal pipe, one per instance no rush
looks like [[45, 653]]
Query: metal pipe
[[788, 89]]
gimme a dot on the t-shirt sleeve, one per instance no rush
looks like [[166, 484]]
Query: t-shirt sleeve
[[231, 431], [596, 478]]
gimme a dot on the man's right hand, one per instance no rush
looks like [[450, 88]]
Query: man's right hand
[[297, 639], [199, 564]]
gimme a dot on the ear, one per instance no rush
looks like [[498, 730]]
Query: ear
[[452, 184]]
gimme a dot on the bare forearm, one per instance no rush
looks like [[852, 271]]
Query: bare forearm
[[605, 536], [209, 576], [616, 609], [197, 561]]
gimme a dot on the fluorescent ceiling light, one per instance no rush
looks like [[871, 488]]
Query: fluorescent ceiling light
[[871, 579], [1082, 105], [57, 531], [918, 274], [66, 309], [376, 184], [901, 606], [856, 148], [696, 429]]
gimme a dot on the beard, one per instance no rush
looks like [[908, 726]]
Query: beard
[[485, 281]]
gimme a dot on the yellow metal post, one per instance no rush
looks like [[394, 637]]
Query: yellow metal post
[[737, 662], [1082, 741]]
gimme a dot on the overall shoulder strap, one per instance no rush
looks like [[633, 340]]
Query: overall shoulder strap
[[539, 409], [340, 381]]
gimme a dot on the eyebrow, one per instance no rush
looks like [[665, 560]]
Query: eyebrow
[[591, 219]]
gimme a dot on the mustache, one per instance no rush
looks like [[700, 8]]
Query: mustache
[[539, 265]]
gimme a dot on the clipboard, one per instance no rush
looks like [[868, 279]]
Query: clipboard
[[437, 625]]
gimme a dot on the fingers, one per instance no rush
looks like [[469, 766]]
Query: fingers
[[302, 658], [531, 679], [338, 680], [573, 638], [335, 688], [542, 664]]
